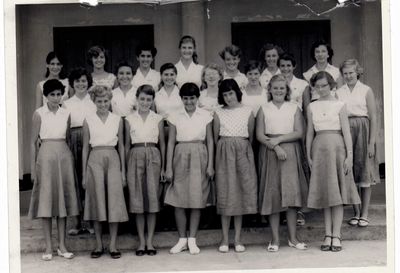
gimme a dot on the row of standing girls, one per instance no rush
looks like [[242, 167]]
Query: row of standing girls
[[235, 125]]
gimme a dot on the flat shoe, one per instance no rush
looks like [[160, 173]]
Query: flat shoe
[[363, 222], [272, 248], [96, 254], [353, 221], [151, 252], [115, 254], [73, 231], [240, 248], [336, 248], [66, 255], [300, 246], [140, 252], [47, 257], [223, 248]]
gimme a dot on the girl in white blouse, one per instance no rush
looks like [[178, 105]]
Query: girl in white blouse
[[97, 59], [188, 68], [54, 70], [283, 184], [145, 55], [235, 173], [80, 106], [103, 170], [330, 156], [254, 95], [269, 56], [189, 165], [52, 168], [144, 132], [231, 56], [167, 99], [211, 78], [361, 106], [123, 101]]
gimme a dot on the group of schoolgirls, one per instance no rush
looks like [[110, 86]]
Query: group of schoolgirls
[[197, 133]]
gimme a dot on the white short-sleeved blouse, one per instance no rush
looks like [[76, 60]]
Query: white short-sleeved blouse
[[64, 96], [108, 81], [356, 100], [254, 101], [192, 74], [297, 87], [152, 78], [53, 125], [279, 120], [103, 134], [168, 104], [122, 104], [79, 109], [325, 114], [208, 103], [266, 77], [144, 130]]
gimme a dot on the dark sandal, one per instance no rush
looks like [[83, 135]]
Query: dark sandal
[[140, 252], [353, 221], [96, 254], [326, 247], [336, 248], [115, 254], [363, 222], [151, 252]]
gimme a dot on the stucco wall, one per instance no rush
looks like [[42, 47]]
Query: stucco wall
[[356, 32]]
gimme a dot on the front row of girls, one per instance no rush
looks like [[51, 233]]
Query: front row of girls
[[189, 165]]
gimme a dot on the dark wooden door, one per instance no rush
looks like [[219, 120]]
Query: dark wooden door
[[119, 41], [295, 37]]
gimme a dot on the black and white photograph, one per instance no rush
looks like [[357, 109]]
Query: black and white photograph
[[199, 135]]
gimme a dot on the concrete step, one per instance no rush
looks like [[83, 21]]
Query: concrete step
[[32, 236]]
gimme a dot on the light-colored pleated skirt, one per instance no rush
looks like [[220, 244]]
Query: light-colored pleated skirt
[[54, 193], [235, 177], [143, 175], [365, 168], [190, 187], [104, 199], [329, 185], [283, 183]]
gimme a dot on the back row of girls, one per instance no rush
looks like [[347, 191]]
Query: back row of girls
[[188, 164]]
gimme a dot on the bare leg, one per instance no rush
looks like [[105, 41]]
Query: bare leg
[[61, 224], [238, 228], [46, 222], [225, 223], [357, 207], [274, 223], [180, 218], [98, 230], [113, 236], [337, 219], [151, 225], [365, 200], [194, 222], [140, 229], [328, 225], [291, 217]]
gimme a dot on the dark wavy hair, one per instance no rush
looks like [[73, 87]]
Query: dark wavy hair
[[189, 89], [165, 67], [323, 75], [123, 64], [50, 56], [323, 43], [252, 65], [77, 73], [265, 48], [232, 49], [287, 57], [226, 86], [95, 51], [146, 47], [52, 85]]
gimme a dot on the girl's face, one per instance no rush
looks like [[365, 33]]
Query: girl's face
[[321, 54], [322, 87], [230, 98], [124, 75], [231, 62], [271, 57], [253, 76], [211, 77], [54, 97], [54, 67], [99, 61], [350, 75], [286, 67], [102, 104], [187, 50], [278, 91], [145, 59], [168, 77], [145, 102], [81, 85], [190, 103]]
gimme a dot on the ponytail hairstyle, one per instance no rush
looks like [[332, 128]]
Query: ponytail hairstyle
[[190, 39], [164, 67]]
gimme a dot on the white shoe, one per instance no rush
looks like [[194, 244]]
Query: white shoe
[[180, 246], [300, 246], [223, 249], [193, 248], [240, 248], [66, 255]]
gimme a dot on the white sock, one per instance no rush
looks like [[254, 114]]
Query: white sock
[[180, 246], [193, 248]]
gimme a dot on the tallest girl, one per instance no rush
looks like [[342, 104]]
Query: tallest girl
[[188, 68]]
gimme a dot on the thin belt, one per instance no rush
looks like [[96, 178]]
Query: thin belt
[[329, 132], [53, 140], [76, 128], [227, 137], [274, 135], [143, 144], [358, 117], [191, 141], [103, 148]]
